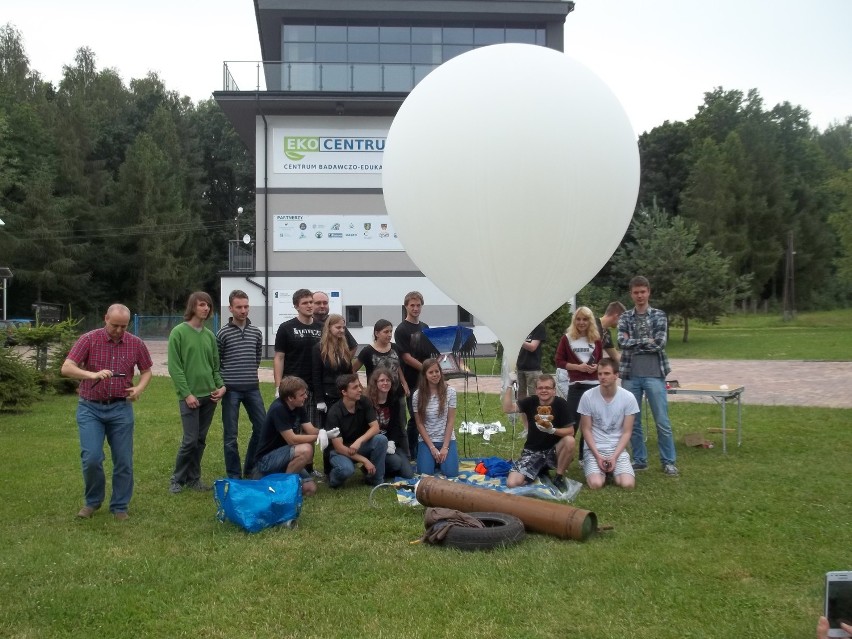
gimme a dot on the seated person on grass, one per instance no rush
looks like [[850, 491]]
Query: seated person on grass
[[287, 440], [606, 419], [550, 442], [360, 441]]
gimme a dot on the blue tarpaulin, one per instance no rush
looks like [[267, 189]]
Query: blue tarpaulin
[[451, 339]]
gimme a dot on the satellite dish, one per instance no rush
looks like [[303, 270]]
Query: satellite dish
[[246, 239]]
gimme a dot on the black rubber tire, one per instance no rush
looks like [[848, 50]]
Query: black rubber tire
[[500, 530]]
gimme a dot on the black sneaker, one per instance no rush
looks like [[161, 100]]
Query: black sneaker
[[175, 488], [640, 466], [560, 484], [199, 486]]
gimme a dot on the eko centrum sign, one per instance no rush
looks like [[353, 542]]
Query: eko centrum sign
[[327, 154]]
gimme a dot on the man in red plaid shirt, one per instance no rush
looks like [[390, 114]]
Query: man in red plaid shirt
[[105, 360]]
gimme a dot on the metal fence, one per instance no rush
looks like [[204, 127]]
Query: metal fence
[[159, 326]]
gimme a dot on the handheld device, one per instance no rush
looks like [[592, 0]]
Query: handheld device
[[838, 601]]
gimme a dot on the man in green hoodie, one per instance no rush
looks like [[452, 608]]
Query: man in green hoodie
[[194, 369]]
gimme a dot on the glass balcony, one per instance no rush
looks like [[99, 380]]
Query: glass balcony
[[328, 77]]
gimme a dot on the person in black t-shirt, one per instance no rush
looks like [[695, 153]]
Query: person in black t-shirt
[[287, 439], [412, 361], [529, 361], [294, 344], [360, 441], [607, 321], [546, 446], [383, 353]]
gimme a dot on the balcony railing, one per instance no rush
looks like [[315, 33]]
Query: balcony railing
[[331, 77], [240, 256]]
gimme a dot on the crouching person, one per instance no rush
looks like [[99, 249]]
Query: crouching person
[[606, 420], [550, 439], [287, 440], [360, 441]]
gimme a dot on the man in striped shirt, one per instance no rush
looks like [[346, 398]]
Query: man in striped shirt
[[240, 349]]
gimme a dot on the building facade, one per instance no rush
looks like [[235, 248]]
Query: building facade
[[333, 74]]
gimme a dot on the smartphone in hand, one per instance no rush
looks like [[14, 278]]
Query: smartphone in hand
[[838, 601]]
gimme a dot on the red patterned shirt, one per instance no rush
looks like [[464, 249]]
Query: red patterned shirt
[[96, 351]]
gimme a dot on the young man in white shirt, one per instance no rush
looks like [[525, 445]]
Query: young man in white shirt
[[607, 413]]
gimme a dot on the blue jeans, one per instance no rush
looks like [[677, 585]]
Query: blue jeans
[[342, 467], [397, 465], [426, 463], [654, 389], [113, 422], [253, 402], [196, 422]]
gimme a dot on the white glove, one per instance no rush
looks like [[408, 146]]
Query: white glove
[[550, 430], [322, 407], [323, 436], [322, 440], [391, 447]]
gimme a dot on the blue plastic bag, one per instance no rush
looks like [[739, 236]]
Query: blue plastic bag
[[496, 467], [255, 504]]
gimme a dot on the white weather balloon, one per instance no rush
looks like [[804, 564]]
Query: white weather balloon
[[510, 174]]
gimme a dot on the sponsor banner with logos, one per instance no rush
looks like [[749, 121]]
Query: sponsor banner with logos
[[334, 233]]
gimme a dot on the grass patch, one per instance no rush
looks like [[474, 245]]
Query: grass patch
[[735, 547], [821, 336], [762, 343]]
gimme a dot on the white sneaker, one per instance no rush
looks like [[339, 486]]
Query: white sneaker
[[670, 470]]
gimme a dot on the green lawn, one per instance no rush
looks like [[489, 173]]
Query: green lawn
[[735, 547], [823, 336]]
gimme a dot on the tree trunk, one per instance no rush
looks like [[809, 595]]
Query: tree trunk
[[685, 330]]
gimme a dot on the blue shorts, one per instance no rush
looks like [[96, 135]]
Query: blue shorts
[[276, 461]]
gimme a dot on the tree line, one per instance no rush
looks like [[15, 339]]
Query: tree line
[[128, 192], [743, 183], [112, 192]]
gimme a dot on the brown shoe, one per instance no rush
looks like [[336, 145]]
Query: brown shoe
[[87, 511], [122, 516]]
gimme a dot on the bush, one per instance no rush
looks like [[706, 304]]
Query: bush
[[19, 383], [50, 344], [58, 354]]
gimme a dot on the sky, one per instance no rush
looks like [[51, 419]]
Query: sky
[[658, 56]]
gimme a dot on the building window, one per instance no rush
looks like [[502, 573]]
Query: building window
[[353, 316], [382, 57], [465, 318], [488, 35]]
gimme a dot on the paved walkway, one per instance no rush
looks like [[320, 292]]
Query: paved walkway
[[768, 383]]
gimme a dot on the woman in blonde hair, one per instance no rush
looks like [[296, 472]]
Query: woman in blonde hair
[[331, 359], [578, 353]]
